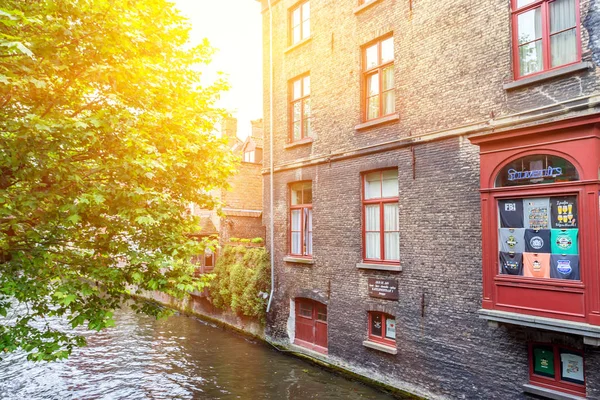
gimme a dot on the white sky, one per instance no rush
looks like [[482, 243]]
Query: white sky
[[233, 27]]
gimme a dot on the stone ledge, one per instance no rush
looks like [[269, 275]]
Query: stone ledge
[[548, 75], [299, 260], [378, 121], [590, 332], [380, 347], [380, 267], [301, 142], [300, 43], [365, 5], [549, 393]]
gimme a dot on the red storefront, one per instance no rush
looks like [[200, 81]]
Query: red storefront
[[540, 226]]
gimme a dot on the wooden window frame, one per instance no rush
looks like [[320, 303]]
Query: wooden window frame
[[302, 100], [381, 201], [556, 383], [546, 54], [300, 207], [366, 72], [298, 6], [381, 339]]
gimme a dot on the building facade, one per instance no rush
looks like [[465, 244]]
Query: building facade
[[436, 184]]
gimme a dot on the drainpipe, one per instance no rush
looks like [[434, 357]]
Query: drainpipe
[[271, 194]]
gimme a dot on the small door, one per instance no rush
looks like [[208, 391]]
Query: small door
[[311, 325]]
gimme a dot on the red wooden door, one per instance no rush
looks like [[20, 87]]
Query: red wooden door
[[311, 325]]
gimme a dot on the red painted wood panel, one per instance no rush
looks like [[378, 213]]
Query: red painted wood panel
[[529, 300]]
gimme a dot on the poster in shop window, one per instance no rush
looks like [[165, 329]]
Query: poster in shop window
[[537, 213], [572, 366], [564, 212]]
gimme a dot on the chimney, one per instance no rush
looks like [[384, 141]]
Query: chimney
[[229, 130], [257, 128]]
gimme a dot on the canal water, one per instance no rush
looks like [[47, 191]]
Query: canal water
[[174, 358]]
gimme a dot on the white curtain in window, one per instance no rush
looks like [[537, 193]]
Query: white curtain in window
[[390, 214], [372, 223], [296, 236], [308, 230], [563, 45]]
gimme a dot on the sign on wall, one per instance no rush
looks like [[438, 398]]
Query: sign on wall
[[383, 288]]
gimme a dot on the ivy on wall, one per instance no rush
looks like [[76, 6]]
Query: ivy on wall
[[242, 280]]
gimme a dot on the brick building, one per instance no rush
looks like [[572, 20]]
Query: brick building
[[242, 203], [435, 174]]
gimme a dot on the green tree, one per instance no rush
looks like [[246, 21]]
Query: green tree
[[104, 140]]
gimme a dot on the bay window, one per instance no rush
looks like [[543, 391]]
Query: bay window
[[301, 219], [378, 79], [380, 213], [545, 35]]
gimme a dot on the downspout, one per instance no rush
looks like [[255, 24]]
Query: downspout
[[271, 194]]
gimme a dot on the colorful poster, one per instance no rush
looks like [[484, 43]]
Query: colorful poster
[[572, 366], [564, 267], [564, 212], [536, 265], [511, 263], [564, 241], [537, 213], [543, 361], [537, 241], [513, 240], [511, 213], [390, 328]]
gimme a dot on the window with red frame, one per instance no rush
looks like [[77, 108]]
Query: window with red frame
[[545, 35], [300, 22], [382, 328], [378, 78], [301, 219], [557, 367], [300, 108], [380, 212]]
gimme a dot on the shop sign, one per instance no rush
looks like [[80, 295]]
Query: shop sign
[[383, 288], [514, 175]]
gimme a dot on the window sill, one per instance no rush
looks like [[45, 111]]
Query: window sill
[[380, 267], [364, 6], [380, 347], [301, 142], [590, 333], [300, 43], [378, 121], [569, 69], [550, 393], [298, 260]]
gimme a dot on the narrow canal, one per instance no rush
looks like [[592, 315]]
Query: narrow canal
[[174, 358]]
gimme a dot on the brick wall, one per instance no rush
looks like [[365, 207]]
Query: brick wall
[[246, 188]]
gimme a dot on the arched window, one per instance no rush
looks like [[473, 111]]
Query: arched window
[[536, 169]]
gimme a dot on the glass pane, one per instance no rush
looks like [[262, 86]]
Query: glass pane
[[373, 84], [373, 107], [306, 309], [390, 183], [387, 50], [307, 193], [372, 217], [297, 89], [306, 108], [390, 328], [306, 11], [563, 47], [307, 235], [371, 57], [296, 34], [322, 313], [376, 325], [530, 25], [521, 3], [296, 225], [543, 361], [549, 169], [388, 78], [373, 185], [530, 58], [307, 128], [296, 193], [390, 217], [296, 110], [391, 246], [389, 102], [562, 15], [571, 367], [297, 133], [373, 247], [296, 243], [305, 29], [306, 85], [296, 17]]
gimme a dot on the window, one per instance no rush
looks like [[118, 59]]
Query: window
[[301, 219], [378, 79], [545, 35], [557, 367], [300, 22], [382, 328], [300, 108], [249, 156], [380, 211]]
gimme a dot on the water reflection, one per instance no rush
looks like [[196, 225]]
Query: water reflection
[[176, 358]]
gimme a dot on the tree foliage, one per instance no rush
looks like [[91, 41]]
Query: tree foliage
[[242, 281], [104, 140]]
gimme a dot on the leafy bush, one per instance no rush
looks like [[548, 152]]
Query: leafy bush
[[242, 281], [257, 240]]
